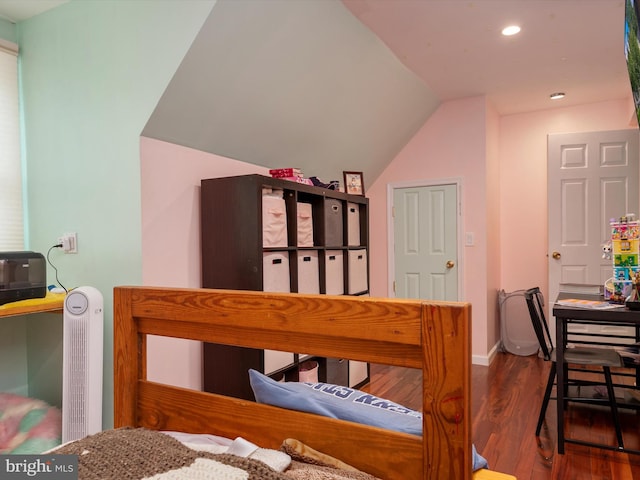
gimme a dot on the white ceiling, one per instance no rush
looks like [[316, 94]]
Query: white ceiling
[[17, 10], [455, 46]]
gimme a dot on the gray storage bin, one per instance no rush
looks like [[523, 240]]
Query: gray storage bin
[[338, 371], [333, 235], [518, 336]]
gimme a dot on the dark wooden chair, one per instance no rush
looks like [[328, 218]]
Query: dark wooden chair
[[578, 356]]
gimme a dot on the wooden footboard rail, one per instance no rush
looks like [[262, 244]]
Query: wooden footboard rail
[[431, 336]]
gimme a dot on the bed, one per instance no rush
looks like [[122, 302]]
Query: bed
[[431, 336]]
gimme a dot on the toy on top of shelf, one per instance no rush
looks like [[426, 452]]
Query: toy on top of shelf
[[625, 253]]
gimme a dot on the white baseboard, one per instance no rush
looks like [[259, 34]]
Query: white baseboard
[[485, 360]]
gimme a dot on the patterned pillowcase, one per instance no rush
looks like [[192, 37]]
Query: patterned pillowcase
[[28, 425], [344, 403], [337, 402]]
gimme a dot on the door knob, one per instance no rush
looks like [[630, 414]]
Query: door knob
[[451, 264], [556, 255]]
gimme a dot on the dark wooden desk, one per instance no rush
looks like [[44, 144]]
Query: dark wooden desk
[[566, 315]]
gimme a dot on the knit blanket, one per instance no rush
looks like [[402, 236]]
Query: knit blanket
[[136, 454], [141, 454]]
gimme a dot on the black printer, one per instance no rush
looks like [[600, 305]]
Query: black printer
[[23, 275]]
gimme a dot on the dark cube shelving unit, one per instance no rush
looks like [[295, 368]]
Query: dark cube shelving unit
[[232, 258]]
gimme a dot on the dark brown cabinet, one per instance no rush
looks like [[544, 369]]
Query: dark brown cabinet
[[269, 234]]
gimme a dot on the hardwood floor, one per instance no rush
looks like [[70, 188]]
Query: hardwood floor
[[506, 402]]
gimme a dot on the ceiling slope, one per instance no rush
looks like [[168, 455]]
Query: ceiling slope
[[285, 83], [456, 47]]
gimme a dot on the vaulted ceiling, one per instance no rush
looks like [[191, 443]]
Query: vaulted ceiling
[[330, 85], [292, 83], [456, 47]]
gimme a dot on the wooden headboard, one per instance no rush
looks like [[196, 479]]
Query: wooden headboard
[[431, 336]]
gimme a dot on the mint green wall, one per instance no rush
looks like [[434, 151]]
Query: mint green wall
[[7, 30], [13, 356], [91, 75], [13, 331]]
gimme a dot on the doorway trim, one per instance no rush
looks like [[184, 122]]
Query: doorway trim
[[391, 263]]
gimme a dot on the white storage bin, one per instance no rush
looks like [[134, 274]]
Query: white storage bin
[[357, 271], [275, 272], [274, 221], [308, 371], [305, 225], [275, 360], [334, 272], [308, 272], [353, 224], [358, 372]]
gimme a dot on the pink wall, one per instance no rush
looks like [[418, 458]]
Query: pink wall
[[500, 162], [494, 259], [523, 193], [170, 178], [451, 144]]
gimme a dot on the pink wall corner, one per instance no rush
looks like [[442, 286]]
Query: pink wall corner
[[523, 195], [493, 226], [502, 164], [170, 190], [451, 144]]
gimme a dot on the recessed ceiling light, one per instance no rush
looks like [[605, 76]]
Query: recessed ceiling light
[[510, 30], [556, 96]]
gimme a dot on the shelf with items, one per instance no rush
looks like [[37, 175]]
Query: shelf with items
[[269, 234], [336, 371], [53, 302]]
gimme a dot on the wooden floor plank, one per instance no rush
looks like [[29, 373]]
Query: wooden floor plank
[[506, 399]]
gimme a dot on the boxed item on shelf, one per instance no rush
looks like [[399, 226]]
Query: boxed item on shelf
[[305, 224], [275, 267], [274, 221], [308, 274]]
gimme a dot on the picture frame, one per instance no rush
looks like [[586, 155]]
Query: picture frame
[[353, 183]]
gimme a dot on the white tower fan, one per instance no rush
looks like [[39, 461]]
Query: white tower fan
[[82, 363]]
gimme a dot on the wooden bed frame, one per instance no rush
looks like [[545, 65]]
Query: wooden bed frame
[[431, 336]]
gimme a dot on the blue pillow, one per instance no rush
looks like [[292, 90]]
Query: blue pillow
[[336, 401], [343, 403]]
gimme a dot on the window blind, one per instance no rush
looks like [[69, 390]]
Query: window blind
[[11, 211]]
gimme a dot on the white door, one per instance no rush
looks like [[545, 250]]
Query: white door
[[592, 177], [425, 242]]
